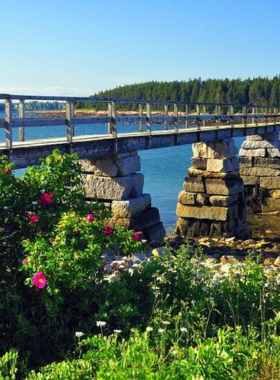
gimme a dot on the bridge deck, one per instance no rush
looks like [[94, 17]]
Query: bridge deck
[[24, 153]]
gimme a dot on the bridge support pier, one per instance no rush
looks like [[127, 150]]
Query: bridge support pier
[[260, 171], [117, 182], [212, 202]]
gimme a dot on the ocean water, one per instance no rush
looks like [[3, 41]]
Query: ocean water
[[164, 169]]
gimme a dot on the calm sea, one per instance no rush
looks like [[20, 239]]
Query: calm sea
[[164, 169]]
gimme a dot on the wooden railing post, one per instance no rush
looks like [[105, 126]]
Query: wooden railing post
[[69, 106], [112, 124], [8, 128], [187, 114], [109, 118], [148, 118], [140, 116], [218, 116], [114, 119], [176, 118], [166, 114], [232, 116], [255, 112], [266, 115], [204, 113], [21, 114], [244, 116], [148, 123], [275, 111], [198, 116]]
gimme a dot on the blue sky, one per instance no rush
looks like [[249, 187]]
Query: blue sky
[[70, 47]]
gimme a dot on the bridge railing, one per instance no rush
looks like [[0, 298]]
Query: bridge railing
[[173, 116]]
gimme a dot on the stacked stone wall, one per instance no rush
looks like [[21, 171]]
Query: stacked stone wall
[[117, 181], [260, 171], [212, 202]]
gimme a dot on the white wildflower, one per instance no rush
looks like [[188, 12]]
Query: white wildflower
[[117, 331], [79, 334], [160, 331], [165, 322], [100, 323], [183, 329], [149, 328]]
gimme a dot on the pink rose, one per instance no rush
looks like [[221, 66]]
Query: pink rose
[[25, 261], [39, 280], [136, 236], [108, 230], [33, 218], [46, 199], [90, 218], [7, 171]]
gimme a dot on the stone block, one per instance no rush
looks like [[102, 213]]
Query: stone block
[[270, 182], [222, 165], [252, 152], [274, 193], [265, 162], [128, 165], [224, 187], [199, 163], [258, 171], [205, 174], [146, 219], [117, 188], [273, 152], [203, 212], [130, 207], [250, 180], [155, 232], [254, 138], [187, 198], [194, 185], [182, 226], [223, 200], [215, 149], [270, 205], [202, 199], [267, 136], [105, 167], [246, 162], [260, 144]]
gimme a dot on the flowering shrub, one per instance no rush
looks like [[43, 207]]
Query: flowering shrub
[[51, 240]]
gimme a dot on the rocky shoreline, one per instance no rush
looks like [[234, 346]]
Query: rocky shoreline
[[224, 254]]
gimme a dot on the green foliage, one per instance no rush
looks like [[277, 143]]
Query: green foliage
[[230, 355], [8, 365]]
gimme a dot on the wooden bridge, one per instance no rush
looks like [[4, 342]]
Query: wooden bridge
[[160, 124]]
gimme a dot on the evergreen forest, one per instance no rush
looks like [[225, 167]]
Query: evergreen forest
[[257, 91]]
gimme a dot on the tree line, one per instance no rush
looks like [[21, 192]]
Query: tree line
[[257, 91]]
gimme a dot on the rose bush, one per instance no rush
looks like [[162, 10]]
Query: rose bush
[[51, 242]]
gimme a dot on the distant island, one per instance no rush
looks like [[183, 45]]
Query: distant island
[[257, 91]]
